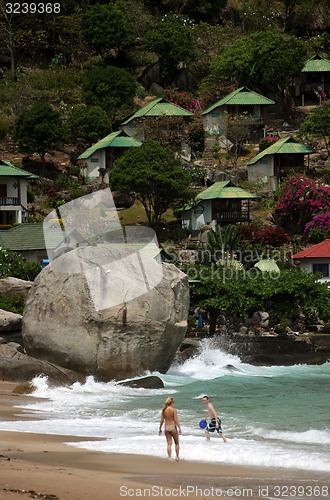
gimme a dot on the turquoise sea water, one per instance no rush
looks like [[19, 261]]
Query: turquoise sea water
[[272, 416]]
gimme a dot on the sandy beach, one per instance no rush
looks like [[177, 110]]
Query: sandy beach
[[42, 466]]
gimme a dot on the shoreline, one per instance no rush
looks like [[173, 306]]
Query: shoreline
[[43, 466]]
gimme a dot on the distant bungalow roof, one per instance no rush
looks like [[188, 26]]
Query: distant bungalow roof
[[240, 97], [225, 190], [8, 169], [117, 139], [316, 64], [158, 107], [286, 145], [321, 250], [29, 237]]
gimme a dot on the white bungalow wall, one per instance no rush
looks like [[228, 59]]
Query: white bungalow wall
[[92, 165], [262, 173]]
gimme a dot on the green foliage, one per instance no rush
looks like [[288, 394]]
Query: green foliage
[[240, 293], [106, 27], [12, 264], [111, 88], [223, 242], [12, 303], [317, 125], [172, 40], [39, 129], [154, 175], [90, 123], [264, 60]]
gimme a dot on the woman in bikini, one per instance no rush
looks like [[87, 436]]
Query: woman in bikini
[[172, 427]]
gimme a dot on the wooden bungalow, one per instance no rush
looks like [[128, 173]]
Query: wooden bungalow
[[223, 202], [13, 193], [271, 165], [134, 125], [314, 79], [99, 158], [242, 100]]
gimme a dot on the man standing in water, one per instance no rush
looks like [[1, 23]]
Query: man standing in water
[[172, 426], [215, 424]]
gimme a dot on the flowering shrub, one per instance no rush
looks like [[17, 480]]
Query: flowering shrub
[[266, 142], [182, 99], [301, 198], [270, 235], [319, 228]]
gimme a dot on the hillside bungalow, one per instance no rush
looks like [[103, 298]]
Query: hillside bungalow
[[157, 108], [222, 202], [315, 259], [242, 100], [103, 154], [13, 193], [28, 240], [314, 78], [272, 164]]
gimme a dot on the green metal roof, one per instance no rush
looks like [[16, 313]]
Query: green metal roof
[[158, 107], [30, 237], [240, 97], [224, 190], [117, 139], [8, 169], [316, 64], [286, 145]]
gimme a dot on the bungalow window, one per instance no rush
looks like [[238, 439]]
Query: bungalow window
[[215, 114], [3, 190], [321, 268], [94, 160]]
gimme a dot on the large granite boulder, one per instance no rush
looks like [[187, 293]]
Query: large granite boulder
[[107, 312], [15, 286], [17, 366]]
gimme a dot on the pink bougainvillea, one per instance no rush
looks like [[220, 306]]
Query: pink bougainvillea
[[319, 228], [301, 198], [182, 99]]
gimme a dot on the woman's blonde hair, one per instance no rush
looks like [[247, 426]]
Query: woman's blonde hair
[[168, 402]]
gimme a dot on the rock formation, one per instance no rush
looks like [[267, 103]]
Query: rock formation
[[92, 312]]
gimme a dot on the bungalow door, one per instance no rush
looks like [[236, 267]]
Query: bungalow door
[[3, 194]]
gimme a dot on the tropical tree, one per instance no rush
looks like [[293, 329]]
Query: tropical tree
[[39, 129], [172, 40], [107, 28], [155, 176], [90, 123], [258, 61], [317, 125], [111, 88]]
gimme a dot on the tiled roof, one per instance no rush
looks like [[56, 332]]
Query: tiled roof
[[286, 145], [117, 139], [8, 169], [224, 190], [158, 107], [316, 64], [30, 237], [321, 250], [240, 97]]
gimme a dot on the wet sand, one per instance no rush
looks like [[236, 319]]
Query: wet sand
[[42, 466]]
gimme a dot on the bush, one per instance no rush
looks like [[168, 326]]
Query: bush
[[318, 229], [12, 264], [12, 303], [270, 235], [301, 198], [266, 142]]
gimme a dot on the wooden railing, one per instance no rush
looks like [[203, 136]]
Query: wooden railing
[[232, 216], [311, 87], [8, 201]]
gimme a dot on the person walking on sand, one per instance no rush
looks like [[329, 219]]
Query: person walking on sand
[[215, 423], [172, 427]]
